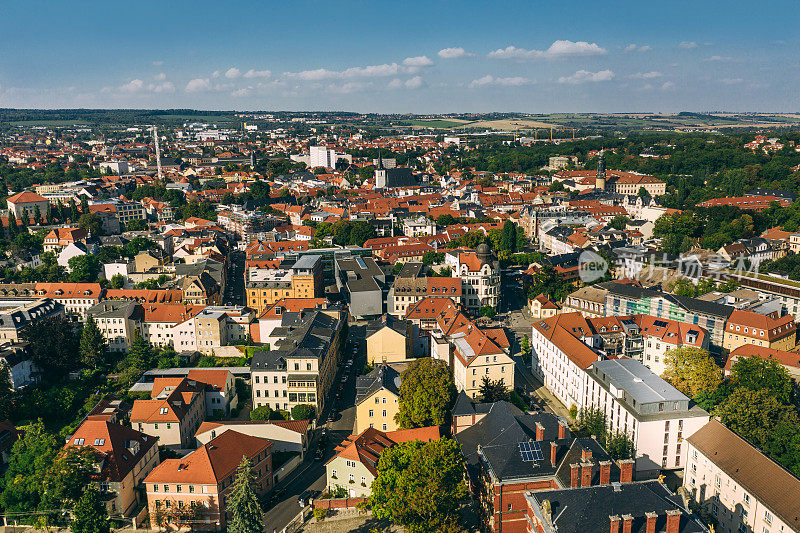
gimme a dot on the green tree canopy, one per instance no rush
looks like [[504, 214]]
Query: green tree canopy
[[691, 370], [420, 486], [493, 391], [427, 392], [54, 347], [303, 411], [31, 458], [246, 515], [91, 223], [84, 268], [93, 347], [755, 373], [90, 514]]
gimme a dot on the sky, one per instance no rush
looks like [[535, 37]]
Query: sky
[[403, 57]]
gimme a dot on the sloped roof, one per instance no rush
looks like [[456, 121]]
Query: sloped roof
[[122, 446]]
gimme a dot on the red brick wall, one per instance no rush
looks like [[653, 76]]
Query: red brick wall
[[338, 503], [513, 520]]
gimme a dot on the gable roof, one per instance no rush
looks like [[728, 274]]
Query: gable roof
[[123, 447]]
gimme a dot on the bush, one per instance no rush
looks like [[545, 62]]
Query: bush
[[303, 412], [320, 514], [261, 413], [573, 411]]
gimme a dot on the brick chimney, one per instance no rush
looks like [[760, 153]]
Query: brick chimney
[[574, 475], [586, 474], [562, 429], [605, 472], [586, 453], [673, 521], [627, 523], [614, 523], [553, 453], [651, 522], [539, 431], [626, 470]]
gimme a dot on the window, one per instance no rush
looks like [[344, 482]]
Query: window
[[371, 413], [79, 442]]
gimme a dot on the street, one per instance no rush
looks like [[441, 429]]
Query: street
[[311, 473], [234, 291]]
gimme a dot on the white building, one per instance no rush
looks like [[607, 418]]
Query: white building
[[480, 277], [414, 227], [743, 489], [656, 416], [321, 156]]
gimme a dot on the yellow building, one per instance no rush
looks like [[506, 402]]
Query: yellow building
[[265, 286], [377, 399], [769, 331], [388, 340]]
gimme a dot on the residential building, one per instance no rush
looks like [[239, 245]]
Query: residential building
[[590, 301], [414, 227], [411, 285], [389, 340], [377, 399], [652, 413], [543, 307], [60, 238], [220, 393], [26, 204], [637, 507], [509, 453], [16, 358], [659, 335], [118, 321], [770, 330], [740, 487], [788, 360], [77, 298], [360, 280], [355, 463], [124, 457], [285, 435], [480, 277], [14, 321], [301, 279], [193, 490], [176, 409]]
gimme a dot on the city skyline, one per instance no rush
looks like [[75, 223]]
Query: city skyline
[[416, 58]]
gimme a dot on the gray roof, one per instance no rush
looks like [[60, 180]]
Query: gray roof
[[638, 381], [307, 262], [691, 304], [390, 321], [382, 376]]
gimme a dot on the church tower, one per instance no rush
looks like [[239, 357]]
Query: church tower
[[600, 179]]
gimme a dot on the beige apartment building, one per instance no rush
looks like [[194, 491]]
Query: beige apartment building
[[174, 413], [389, 340], [743, 489], [264, 287], [769, 331], [377, 399]]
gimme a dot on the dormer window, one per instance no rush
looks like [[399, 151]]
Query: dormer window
[[163, 410], [99, 442], [79, 442]]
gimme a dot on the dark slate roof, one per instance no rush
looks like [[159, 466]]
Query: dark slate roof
[[465, 407], [383, 376], [399, 325], [499, 433], [587, 509], [691, 304]]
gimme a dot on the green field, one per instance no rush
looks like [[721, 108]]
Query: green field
[[438, 124]]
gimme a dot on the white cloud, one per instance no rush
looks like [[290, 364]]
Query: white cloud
[[347, 88], [667, 86], [414, 83], [242, 92], [233, 73], [160, 76], [646, 75], [257, 74], [584, 76], [452, 53], [215, 74], [719, 59], [395, 84], [559, 49], [166, 87], [687, 45], [636, 48], [198, 84], [418, 61], [133, 86], [507, 82], [370, 71]]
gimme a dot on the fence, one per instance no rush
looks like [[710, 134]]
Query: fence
[[338, 503]]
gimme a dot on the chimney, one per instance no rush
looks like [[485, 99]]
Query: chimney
[[553, 453], [586, 454], [562, 429], [627, 523], [539, 431], [651, 522], [614, 523], [586, 474], [574, 475], [673, 521], [605, 472], [626, 470]]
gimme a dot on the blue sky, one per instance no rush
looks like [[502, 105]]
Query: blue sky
[[420, 57]]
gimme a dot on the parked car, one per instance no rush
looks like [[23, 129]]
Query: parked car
[[306, 497]]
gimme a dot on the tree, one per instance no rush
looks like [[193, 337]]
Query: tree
[[619, 222], [420, 486], [508, 236], [493, 391], [90, 514], [691, 370], [65, 481], [6, 394], [117, 281], [488, 311], [84, 268], [755, 373], [31, 458], [550, 283], [303, 411], [136, 225], [755, 414], [263, 412], [427, 392], [12, 223], [54, 346], [91, 223], [592, 421], [93, 345], [246, 515], [620, 446]]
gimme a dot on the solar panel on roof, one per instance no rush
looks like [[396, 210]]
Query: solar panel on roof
[[530, 451], [659, 323]]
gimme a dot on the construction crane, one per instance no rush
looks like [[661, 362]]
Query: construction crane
[[158, 152]]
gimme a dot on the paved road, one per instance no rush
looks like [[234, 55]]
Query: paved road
[[311, 474], [234, 293]]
